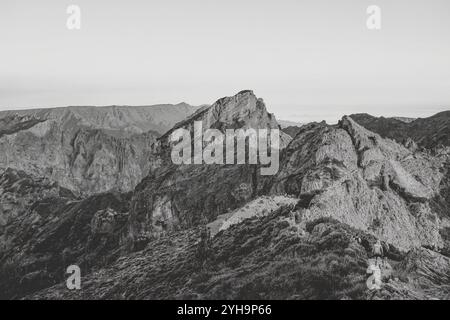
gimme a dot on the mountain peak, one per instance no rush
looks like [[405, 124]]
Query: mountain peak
[[243, 110]]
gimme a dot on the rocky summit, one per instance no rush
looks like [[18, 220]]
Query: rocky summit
[[97, 189]]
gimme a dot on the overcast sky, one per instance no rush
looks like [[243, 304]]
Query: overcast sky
[[309, 60]]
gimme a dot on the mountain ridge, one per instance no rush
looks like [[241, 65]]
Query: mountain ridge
[[431, 132], [304, 233], [86, 149]]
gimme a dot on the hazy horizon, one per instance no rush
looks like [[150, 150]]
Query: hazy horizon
[[308, 60], [423, 112]]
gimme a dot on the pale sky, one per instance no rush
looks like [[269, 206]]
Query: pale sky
[[308, 60]]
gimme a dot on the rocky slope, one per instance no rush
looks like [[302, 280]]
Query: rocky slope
[[181, 196], [44, 228], [423, 274], [429, 132], [86, 149], [262, 258], [368, 182], [289, 127], [304, 233], [291, 131], [228, 112]]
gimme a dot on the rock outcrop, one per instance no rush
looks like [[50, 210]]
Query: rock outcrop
[[373, 184], [422, 275], [174, 197]]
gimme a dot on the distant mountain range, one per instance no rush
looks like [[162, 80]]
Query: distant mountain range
[[115, 119], [284, 124], [405, 119], [86, 149], [428, 132]]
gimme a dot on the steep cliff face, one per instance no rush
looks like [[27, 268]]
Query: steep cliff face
[[86, 149], [176, 197]]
